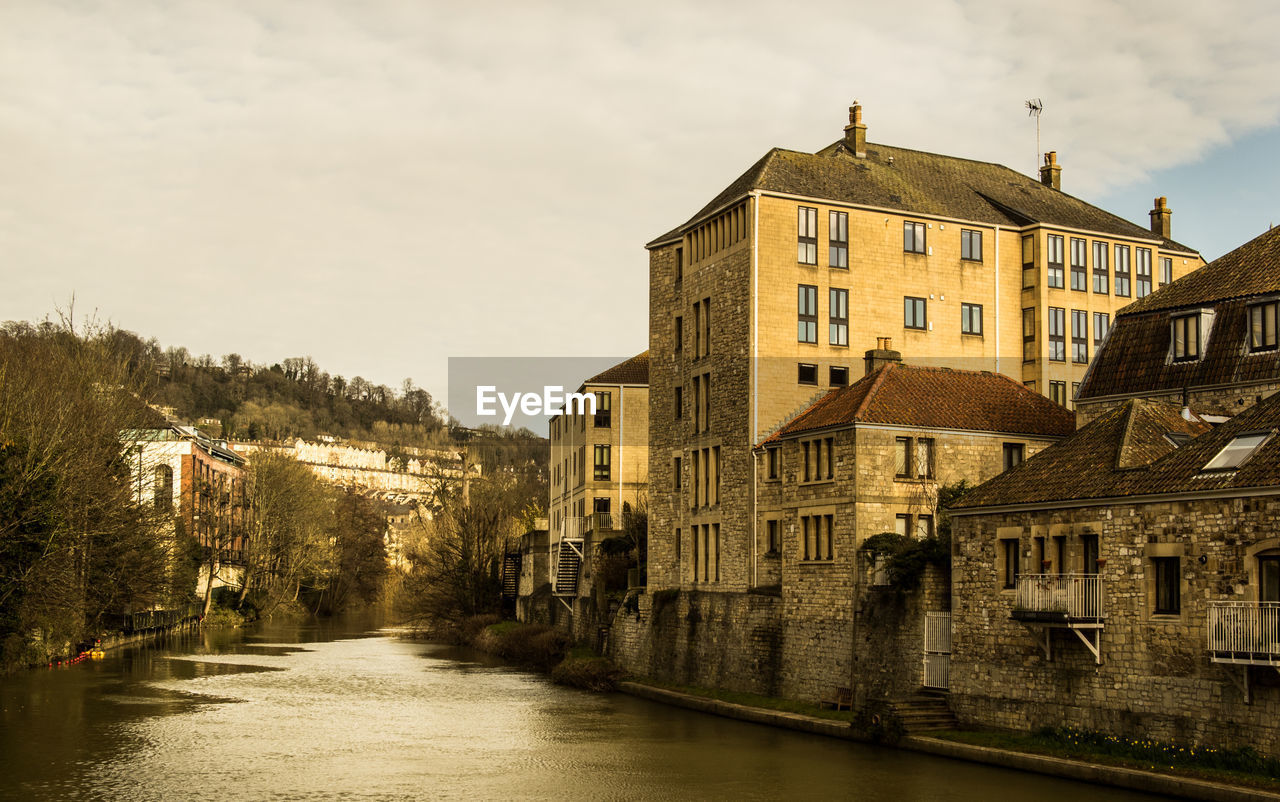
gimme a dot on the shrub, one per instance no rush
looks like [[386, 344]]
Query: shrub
[[590, 672]]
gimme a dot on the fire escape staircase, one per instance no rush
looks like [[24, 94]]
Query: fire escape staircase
[[510, 575], [565, 565]]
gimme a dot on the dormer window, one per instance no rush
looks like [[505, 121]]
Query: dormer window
[[1177, 439], [1186, 338], [1262, 327], [1234, 454]]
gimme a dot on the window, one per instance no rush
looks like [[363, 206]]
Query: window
[[679, 402], [902, 524], [1009, 552], [162, 491], [706, 402], [1101, 275], [1262, 327], [1101, 325], [839, 376], [697, 329], [1186, 338], [816, 538], [838, 237], [773, 459], [1079, 336], [1168, 572], [913, 458], [679, 265], [807, 311], [924, 526], [1234, 454], [971, 319], [1057, 334], [913, 237], [1054, 257], [603, 416], [1028, 262], [715, 454], [971, 245], [695, 498], [1029, 334], [1058, 393], [602, 463], [1122, 271], [1013, 455], [1166, 270], [1142, 271], [819, 461], [913, 316], [1079, 271], [706, 327], [839, 303], [807, 374], [677, 476], [774, 541], [679, 335], [807, 235]]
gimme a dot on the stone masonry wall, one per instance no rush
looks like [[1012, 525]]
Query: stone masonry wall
[[1227, 401], [1155, 678]]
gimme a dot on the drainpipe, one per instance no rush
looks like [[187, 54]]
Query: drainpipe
[[998, 299], [622, 423]]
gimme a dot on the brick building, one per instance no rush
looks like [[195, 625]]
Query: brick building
[[1208, 341], [599, 468], [760, 302], [1127, 580]]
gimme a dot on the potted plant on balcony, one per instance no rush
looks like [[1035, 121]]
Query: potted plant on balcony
[[1102, 563]]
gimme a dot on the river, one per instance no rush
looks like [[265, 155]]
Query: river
[[339, 710]]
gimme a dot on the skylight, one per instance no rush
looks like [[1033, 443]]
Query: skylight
[[1177, 439], [1234, 454]]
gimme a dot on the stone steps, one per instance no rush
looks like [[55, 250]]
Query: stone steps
[[922, 713]]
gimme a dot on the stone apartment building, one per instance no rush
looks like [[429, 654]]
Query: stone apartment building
[[1208, 341], [759, 302], [1127, 579], [599, 468]]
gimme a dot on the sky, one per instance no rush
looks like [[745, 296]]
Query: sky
[[385, 185]]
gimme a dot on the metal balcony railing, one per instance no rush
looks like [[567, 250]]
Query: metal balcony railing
[[1244, 632], [1059, 597]]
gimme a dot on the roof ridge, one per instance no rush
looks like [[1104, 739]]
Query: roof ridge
[[873, 390]]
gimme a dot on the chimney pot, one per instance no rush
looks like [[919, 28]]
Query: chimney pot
[[1051, 171], [1160, 218], [883, 354], [855, 133]]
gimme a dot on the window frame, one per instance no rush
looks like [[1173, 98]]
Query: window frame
[[602, 470], [1167, 587], [1029, 334], [922, 304], [1058, 341], [1054, 244], [1101, 267], [1079, 264], [807, 322], [1166, 271], [838, 326], [831, 376], [1182, 322], [1058, 392], [1099, 338], [1256, 315], [807, 235], [800, 371], [1013, 455], [1079, 336], [838, 239], [1123, 272], [967, 319], [603, 419], [1029, 272], [968, 239], [1142, 278], [913, 237]]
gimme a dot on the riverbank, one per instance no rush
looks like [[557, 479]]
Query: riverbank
[[1168, 785]]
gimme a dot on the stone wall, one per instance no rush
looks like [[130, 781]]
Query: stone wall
[[1228, 401], [1155, 678]]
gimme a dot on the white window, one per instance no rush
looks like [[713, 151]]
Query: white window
[[1237, 451]]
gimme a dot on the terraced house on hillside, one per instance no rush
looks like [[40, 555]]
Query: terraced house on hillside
[[1127, 579], [768, 296]]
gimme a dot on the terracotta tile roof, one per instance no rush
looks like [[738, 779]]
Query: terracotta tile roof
[[1126, 453], [632, 371], [1134, 358], [935, 398], [922, 183]]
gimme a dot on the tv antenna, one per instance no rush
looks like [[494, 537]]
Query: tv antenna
[[1034, 107]]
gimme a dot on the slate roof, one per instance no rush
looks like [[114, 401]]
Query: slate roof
[[922, 183], [1125, 453], [1134, 358], [632, 371], [935, 398]]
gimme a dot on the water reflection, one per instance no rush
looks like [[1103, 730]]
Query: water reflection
[[330, 710]]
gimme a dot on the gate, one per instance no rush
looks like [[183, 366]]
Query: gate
[[937, 650]]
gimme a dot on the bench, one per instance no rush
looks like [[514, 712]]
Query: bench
[[843, 700]]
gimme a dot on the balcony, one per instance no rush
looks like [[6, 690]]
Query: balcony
[[1244, 633], [1044, 602], [1069, 599], [600, 522]]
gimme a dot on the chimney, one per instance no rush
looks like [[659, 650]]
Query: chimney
[[883, 354], [855, 133], [1051, 172], [1160, 218]]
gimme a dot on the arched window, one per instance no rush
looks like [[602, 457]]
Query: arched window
[[164, 487]]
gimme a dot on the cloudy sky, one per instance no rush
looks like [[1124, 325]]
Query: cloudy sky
[[383, 185]]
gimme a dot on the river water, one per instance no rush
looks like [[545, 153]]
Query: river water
[[337, 710]]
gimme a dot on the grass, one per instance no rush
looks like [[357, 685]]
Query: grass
[[751, 699], [1235, 767]]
